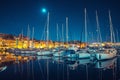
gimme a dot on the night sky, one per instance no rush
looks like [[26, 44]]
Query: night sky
[[15, 15]]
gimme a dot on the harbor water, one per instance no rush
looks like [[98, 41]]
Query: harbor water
[[55, 68]]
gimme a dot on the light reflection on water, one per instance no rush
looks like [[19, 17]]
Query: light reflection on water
[[48, 68]]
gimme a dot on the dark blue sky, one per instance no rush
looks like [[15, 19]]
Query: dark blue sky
[[15, 15]]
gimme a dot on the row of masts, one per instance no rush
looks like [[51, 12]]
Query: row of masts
[[99, 37]]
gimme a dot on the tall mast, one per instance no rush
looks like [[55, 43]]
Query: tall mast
[[111, 28], [57, 32], [62, 32], [92, 40], [117, 36], [22, 38], [98, 29], [66, 29], [85, 26], [32, 37], [114, 40], [28, 35], [47, 28]]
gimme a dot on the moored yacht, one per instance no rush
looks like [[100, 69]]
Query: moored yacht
[[105, 54]]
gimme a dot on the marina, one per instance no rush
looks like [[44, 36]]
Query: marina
[[59, 40]]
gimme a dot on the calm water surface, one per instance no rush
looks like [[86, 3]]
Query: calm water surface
[[48, 68]]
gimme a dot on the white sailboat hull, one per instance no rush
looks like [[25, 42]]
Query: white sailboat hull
[[104, 56]]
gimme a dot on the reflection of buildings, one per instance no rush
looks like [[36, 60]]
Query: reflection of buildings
[[6, 57]]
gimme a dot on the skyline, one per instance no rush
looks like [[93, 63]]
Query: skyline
[[16, 15]]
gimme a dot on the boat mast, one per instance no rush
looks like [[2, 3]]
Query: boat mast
[[117, 36], [57, 32], [98, 29], [114, 40], [62, 33], [67, 30], [22, 38], [111, 28], [32, 37], [85, 25], [47, 29], [28, 35]]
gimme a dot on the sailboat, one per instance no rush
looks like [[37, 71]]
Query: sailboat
[[29, 50], [83, 53], [106, 53], [60, 51], [46, 52], [68, 52]]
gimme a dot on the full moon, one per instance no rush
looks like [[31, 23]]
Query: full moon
[[44, 10]]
